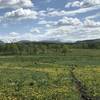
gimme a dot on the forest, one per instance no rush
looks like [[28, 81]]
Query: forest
[[29, 48]]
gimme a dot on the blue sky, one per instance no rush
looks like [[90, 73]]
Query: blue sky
[[37, 20]]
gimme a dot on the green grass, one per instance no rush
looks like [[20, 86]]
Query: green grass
[[47, 77], [75, 56], [36, 83], [90, 77]]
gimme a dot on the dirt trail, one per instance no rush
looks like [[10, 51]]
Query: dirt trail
[[80, 87]]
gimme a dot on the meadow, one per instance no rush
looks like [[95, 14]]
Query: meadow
[[48, 76]]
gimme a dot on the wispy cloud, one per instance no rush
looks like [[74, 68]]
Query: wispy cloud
[[15, 3], [76, 20], [83, 3]]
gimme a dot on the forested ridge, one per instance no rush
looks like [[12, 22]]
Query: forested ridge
[[28, 48]]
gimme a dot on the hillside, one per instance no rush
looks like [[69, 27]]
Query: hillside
[[28, 47], [89, 41], [1, 42]]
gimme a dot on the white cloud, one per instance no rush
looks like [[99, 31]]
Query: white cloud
[[64, 30], [10, 37], [45, 22], [50, 9], [13, 34], [35, 31], [83, 3], [42, 13], [74, 4], [15, 3], [13, 37], [48, 24], [68, 28], [91, 2], [72, 12], [91, 23], [22, 14], [72, 29], [64, 21], [72, 33], [33, 14], [59, 33], [69, 21]]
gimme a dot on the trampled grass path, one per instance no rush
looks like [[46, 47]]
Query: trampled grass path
[[83, 91]]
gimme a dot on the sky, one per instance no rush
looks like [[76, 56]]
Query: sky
[[49, 20]]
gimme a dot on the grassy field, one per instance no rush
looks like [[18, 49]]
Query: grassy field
[[90, 77], [48, 77]]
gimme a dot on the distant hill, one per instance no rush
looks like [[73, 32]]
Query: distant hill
[[26, 47], [92, 41], [59, 42], [24, 41], [1, 42], [89, 41]]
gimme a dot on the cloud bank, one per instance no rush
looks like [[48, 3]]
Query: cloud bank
[[15, 3], [78, 20]]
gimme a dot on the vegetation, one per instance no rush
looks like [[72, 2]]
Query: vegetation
[[29, 48], [35, 71], [36, 84], [90, 77]]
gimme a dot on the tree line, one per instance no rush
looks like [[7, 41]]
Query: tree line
[[30, 48]]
